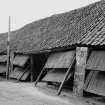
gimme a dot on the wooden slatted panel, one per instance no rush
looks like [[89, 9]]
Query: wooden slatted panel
[[96, 61], [3, 58], [60, 60], [88, 79], [3, 69], [25, 76], [18, 73], [97, 83], [59, 66], [20, 60], [55, 75]]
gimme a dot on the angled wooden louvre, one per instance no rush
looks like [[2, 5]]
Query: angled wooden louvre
[[3, 58], [20, 60], [55, 75], [3, 69], [19, 74], [96, 61], [97, 83], [60, 62]]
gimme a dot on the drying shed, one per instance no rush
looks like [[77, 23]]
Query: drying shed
[[83, 27]]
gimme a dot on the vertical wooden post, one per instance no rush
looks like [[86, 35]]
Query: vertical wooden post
[[11, 61], [79, 76], [8, 49], [42, 71], [31, 64]]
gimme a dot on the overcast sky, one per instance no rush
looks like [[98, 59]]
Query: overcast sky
[[25, 11]]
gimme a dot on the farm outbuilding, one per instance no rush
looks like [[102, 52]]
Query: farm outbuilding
[[61, 41]]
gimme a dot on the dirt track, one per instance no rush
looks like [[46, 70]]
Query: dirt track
[[12, 93], [26, 94]]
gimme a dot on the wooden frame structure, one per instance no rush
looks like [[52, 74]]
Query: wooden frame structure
[[64, 79], [19, 67], [95, 81]]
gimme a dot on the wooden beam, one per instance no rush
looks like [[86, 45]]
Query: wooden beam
[[79, 76], [88, 79], [11, 61], [31, 63], [8, 49], [39, 76], [65, 77], [22, 75]]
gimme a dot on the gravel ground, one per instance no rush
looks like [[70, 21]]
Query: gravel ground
[[12, 93], [26, 94]]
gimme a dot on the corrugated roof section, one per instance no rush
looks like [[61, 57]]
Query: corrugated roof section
[[96, 61]]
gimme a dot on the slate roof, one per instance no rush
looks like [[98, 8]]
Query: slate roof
[[83, 26]]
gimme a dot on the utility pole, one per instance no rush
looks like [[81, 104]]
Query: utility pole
[[8, 48]]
